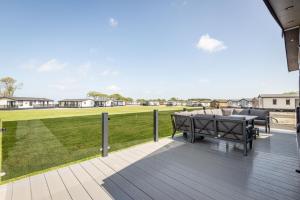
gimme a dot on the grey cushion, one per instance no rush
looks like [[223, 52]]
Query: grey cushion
[[227, 111], [184, 113], [208, 112], [260, 122], [261, 114], [217, 112], [196, 112], [237, 111]]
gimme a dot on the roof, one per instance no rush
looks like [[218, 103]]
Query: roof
[[278, 95], [76, 100], [221, 100], [287, 14], [27, 98]]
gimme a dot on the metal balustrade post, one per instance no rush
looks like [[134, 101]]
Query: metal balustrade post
[[155, 125], [105, 146]]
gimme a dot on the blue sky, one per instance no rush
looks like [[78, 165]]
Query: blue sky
[[143, 49]]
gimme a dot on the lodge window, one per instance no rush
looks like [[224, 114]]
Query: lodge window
[[288, 102], [274, 101]]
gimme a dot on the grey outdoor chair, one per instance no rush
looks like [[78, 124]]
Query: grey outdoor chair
[[235, 130], [181, 123]]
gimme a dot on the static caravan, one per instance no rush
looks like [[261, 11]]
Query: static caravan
[[278, 101], [25, 103], [76, 103], [118, 103]]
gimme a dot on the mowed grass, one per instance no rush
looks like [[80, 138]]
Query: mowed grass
[[14, 115], [29, 146]]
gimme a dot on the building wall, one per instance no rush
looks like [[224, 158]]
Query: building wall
[[267, 102], [87, 103]]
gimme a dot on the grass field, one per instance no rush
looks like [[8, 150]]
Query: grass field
[[13, 115], [33, 145]]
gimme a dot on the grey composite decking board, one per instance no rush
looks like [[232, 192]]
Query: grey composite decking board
[[74, 187], [57, 188], [165, 158], [202, 186], [201, 182], [204, 193], [251, 184], [153, 180], [182, 174], [229, 177], [139, 182], [113, 189], [39, 188], [89, 183], [6, 191], [123, 184], [265, 177], [21, 190]]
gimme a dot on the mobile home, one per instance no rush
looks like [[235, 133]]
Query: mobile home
[[25, 103]]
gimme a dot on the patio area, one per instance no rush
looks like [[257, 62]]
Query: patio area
[[175, 169]]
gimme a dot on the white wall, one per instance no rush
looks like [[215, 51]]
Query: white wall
[[3, 102], [87, 103], [281, 103]]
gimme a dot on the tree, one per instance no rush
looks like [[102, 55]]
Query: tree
[[8, 86], [95, 94], [117, 97]]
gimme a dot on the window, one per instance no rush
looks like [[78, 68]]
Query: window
[[288, 102], [274, 101]]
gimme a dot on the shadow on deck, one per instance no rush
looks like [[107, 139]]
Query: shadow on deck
[[209, 169]]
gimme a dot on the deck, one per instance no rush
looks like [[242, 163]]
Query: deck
[[174, 169]]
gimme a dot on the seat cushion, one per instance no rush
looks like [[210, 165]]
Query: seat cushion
[[260, 122], [208, 112], [261, 114], [227, 111], [238, 111], [217, 112]]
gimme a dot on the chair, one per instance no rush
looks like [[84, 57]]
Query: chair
[[181, 123], [234, 129]]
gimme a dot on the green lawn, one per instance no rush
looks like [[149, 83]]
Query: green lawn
[[13, 115], [29, 146]]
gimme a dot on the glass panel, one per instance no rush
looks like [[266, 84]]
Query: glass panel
[[130, 129], [34, 145]]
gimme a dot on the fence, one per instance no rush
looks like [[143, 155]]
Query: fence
[[34, 145]]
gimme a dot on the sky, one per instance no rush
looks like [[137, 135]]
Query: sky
[[143, 49]]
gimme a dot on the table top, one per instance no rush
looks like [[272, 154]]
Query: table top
[[247, 117]]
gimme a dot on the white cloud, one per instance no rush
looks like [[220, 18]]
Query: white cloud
[[113, 22], [51, 65], [109, 72], [209, 44], [113, 88], [29, 65]]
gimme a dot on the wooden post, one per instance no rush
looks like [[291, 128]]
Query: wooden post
[[104, 134], [155, 125]]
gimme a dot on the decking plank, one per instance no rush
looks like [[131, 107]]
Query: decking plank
[[76, 190], [57, 188], [39, 188], [21, 190], [113, 189], [139, 182], [94, 190], [6, 191]]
